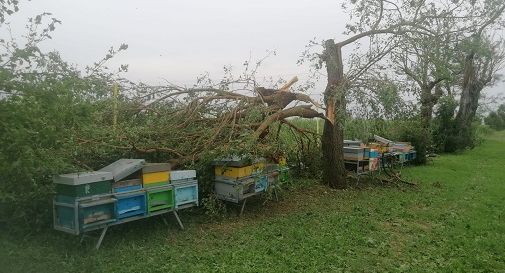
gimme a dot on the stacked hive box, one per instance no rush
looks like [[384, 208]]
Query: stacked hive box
[[356, 156], [126, 190], [185, 188], [237, 179], [83, 201], [160, 194], [127, 187]]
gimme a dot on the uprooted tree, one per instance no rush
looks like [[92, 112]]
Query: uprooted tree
[[228, 115]]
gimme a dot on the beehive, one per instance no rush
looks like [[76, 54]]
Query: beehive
[[75, 215], [160, 198], [83, 184], [234, 190], [131, 204], [155, 174], [186, 193]]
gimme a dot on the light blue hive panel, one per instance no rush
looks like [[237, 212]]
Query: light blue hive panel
[[186, 194]]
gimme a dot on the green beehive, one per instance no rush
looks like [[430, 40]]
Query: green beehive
[[160, 198], [83, 184]]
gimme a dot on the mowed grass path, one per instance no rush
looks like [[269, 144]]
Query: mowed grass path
[[453, 222]]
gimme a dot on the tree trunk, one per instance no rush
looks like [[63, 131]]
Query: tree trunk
[[468, 104], [333, 134], [427, 103]]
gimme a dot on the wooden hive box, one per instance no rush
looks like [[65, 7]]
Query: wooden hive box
[[83, 184], [234, 190], [127, 185], [160, 198], [186, 193], [74, 215], [156, 174], [131, 204]]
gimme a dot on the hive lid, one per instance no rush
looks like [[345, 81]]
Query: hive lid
[[352, 143], [156, 167], [74, 179], [182, 174], [124, 167], [353, 150]]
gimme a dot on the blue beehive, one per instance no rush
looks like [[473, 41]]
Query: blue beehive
[[186, 193], [75, 215], [131, 204]]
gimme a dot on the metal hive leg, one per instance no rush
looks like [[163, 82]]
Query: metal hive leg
[[178, 219], [101, 237], [242, 209]]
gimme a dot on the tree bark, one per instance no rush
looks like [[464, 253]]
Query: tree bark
[[426, 117], [428, 101], [468, 103], [334, 173]]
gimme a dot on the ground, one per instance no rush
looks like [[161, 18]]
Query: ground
[[453, 222]]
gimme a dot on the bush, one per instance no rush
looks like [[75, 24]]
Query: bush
[[496, 119]]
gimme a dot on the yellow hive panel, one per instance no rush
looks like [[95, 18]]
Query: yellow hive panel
[[258, 167], [234, 172], [155, 177]]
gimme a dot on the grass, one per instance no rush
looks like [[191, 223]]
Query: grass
[[453, 222]]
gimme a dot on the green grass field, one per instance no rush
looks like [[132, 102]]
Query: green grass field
[[453, 222]]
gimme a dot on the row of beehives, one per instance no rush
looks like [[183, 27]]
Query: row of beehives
[[126, 190], [356, 152], [237, 179]]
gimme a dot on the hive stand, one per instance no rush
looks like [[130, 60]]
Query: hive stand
[[105, 227]]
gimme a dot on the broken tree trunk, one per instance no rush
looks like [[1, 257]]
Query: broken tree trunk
[[332, 141]]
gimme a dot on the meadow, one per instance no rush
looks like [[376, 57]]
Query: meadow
[[453, 221]]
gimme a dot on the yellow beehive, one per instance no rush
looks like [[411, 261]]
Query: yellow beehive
[[234, 172], [155, 177]]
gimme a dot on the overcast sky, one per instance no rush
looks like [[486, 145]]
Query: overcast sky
[[178, 40]]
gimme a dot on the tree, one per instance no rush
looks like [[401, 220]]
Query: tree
[[482, 61], [429, 63], [496, 119], [384, 24]]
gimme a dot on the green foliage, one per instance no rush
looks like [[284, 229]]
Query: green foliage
[[496, 119], [302, 150], [444, 125]]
